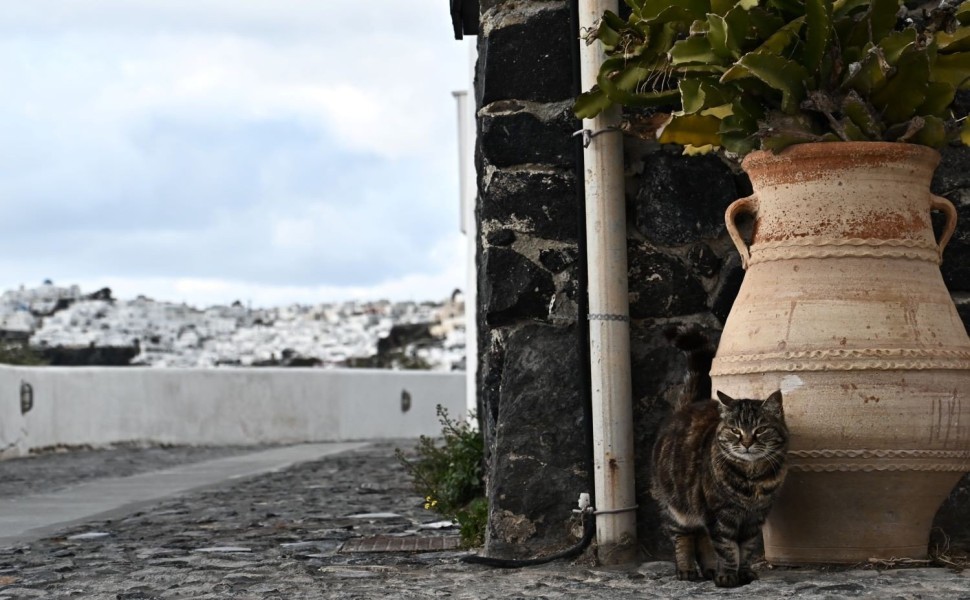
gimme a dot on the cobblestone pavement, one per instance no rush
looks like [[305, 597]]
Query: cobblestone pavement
[[278, 536]]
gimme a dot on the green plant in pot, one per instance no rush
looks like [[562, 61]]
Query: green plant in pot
[[764, 75], [838, 109]]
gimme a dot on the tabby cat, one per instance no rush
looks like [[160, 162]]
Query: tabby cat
[[717, 466]]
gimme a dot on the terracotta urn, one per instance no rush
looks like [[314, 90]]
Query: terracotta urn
[[843, 308]]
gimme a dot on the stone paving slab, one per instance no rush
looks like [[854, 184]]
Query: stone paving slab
[[279, 535]]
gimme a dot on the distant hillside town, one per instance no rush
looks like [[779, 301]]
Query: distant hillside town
[[63, 326]]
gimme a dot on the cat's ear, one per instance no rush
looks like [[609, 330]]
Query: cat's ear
[[725, 400], [773, 403]]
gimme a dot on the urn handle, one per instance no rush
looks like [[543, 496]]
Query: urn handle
[[946, 207], [742, 205]]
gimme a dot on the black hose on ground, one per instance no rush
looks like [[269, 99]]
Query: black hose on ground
[[589, 530]]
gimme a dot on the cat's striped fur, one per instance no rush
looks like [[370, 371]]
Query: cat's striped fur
[[717, 466]]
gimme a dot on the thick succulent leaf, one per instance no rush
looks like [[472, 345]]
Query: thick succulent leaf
[[953, 69], [777, 143], [862, 115], [727, 33], [694, 50], [691, 95], [818, 32], [698, 93], [591, 103], [878, 61], [764, 23], [702, 69], [739, 143], [625, 90], [958, 41], [779, 73], [929, 132], [696, 130], [905, 91], [869, 73], [717, 35], [877, 23], [850, 132], [619, 76], [661, 39], [965, 132], [614, 20], [882, 17], [721, 112], [780, 41], [939, 97], [721, 7], [777, 44], [738, 131], [788, 8], [691, 150], [894, 44], [843, 8], [608, 32], [932, 133], [663, 11], [625, 82]]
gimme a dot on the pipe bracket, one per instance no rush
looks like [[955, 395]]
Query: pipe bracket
[[589, 134], [614, 511]]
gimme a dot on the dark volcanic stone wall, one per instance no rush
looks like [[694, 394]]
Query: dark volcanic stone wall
[[530, 359], [682, 267]]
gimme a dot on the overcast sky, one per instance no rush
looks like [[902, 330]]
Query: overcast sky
[[211, 150]]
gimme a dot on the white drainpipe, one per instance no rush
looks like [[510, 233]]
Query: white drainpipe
[[609, 321]]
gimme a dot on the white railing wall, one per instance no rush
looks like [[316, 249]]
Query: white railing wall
[[105, 405]]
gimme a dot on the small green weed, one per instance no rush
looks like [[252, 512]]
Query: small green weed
[[449, 477], [20, 354]]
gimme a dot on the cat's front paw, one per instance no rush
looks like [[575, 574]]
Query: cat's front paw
[[746, 575], [726, 580], [687, 575]]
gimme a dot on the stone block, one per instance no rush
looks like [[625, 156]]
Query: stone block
[[952, 179], [963, 309], [538, 202], [956, 264], [703, 261], [557, 260], [514, 288], [661, 285], [530, 60], [682, 199], [516, 138], [501, 237], [539, 466]]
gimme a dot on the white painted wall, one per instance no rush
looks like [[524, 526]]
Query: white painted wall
[[103, 405]]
